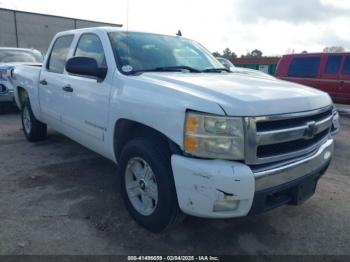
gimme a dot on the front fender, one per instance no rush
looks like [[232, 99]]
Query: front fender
[[17, 98], [155, 106]]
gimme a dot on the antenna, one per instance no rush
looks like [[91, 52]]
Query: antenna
[[127, 15], [179, 33], [127, 30]]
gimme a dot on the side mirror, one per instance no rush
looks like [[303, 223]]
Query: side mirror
[[85, 66], [232, 68], [227, 66]]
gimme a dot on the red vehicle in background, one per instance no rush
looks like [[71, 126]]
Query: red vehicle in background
[[329, 72]]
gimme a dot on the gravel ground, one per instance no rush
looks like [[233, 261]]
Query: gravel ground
[[56, 197], [344, 109]]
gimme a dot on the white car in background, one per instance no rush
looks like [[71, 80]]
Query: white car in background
[[240, 70], [9, 58]]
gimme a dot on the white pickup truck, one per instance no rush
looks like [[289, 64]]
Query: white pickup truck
[[189, 136]]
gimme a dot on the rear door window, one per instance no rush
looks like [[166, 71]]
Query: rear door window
[[59, 53], [304, 66], [333, 64], [346, 68]]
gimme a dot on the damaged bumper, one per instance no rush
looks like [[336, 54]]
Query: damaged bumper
[[6, 93], [206, 187], [200, 183]]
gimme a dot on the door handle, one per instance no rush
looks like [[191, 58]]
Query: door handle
[[68, 88], [43, 82]]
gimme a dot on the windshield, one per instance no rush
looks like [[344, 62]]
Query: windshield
[[20, 56], [147, 52]]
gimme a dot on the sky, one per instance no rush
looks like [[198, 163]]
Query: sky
[[273, 26]]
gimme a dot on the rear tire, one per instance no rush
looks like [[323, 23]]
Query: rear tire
[[162, 210], [33, 129]]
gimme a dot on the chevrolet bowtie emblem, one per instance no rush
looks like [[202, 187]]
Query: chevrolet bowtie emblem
[[311, 129]]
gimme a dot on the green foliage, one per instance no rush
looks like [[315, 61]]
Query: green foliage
[[254, 53], [228, 54], [334, 49]]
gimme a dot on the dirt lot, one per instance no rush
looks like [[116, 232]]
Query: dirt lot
[[57, 197]]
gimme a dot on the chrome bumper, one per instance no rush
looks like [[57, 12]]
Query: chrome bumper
[[7, 97], [336, 123], [289, 172]]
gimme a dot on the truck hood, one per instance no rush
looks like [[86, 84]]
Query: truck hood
[[242, 95], [6, 68], [7, 64]]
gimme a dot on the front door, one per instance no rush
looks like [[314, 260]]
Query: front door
[[305, 70], [344, 86], [87, 99], [329, 81]]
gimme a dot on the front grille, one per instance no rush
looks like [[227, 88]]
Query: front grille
[[281, 137], [286, 147], [291, 122]]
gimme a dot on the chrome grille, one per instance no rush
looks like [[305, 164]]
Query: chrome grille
[[281, 137]]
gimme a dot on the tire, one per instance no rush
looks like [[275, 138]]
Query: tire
[[164, 212], [33, 129]]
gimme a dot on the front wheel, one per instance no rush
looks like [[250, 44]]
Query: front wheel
[[33, 129], [147, 184]]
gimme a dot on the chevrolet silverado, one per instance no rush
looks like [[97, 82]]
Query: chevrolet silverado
[[189, 136]]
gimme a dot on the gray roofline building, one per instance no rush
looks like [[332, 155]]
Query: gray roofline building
[[35, 30]]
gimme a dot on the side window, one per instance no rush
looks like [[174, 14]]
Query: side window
[[333, 64], [346, 69], [90, 46], [59, 53], [304, 66]]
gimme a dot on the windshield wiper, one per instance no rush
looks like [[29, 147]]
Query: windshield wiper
[[215, 70], [167, 69]]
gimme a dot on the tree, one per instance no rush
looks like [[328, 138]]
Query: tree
[[256, 53], [334, 49], [228, 54], [216, 54]]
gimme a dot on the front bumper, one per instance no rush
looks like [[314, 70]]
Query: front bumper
[[200, 183], [6, 93], [336, 123]]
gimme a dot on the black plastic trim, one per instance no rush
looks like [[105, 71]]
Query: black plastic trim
[[271, 198]]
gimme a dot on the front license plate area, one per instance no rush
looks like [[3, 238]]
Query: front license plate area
[[304, 191]]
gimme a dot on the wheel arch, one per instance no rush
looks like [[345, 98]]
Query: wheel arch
[[21, 94], [125, 130]]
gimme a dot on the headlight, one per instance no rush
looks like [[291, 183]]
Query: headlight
[[214, 136]]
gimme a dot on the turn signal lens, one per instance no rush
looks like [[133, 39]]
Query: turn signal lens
[[191, 124], [190, 144]]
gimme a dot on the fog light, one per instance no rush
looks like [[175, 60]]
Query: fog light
[[2, 88], [225, 204], [327, 155]]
